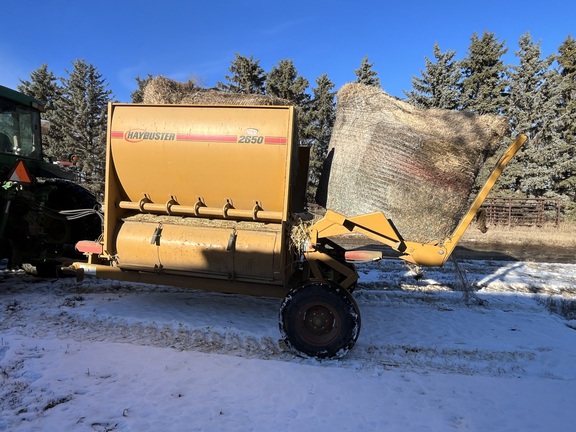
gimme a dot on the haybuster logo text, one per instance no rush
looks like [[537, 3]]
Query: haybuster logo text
[[136, 135]]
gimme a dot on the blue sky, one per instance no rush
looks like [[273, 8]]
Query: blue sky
[[198, 39]]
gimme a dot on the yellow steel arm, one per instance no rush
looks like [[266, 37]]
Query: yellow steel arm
[[373, 225]]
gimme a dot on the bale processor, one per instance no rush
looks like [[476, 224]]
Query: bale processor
[[210, 197]]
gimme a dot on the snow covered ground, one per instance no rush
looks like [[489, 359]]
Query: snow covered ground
[[431, 356]]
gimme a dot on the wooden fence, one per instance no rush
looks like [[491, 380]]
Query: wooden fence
[[522, 211]]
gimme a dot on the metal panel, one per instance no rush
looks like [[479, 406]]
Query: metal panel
[[210, 251]]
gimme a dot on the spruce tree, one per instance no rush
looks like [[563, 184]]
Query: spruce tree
[[365, 74], [439, 85], [565, 174], [318, 129], [283, 81], [529, 104], [246, 76], [541, 154], [484, 75], [82, 120], [43, 85]]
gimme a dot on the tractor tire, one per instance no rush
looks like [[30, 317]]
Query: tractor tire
[[319, 319], [61, 235], [69, 196]]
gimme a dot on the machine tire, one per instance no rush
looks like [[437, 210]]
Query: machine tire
[[319, 319]]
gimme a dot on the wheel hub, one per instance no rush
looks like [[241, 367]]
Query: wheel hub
[[319, 320]]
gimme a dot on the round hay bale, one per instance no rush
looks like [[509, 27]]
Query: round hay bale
[[417, 166]]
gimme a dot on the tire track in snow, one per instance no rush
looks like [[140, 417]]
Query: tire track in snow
[[61, 318], [230, 342]]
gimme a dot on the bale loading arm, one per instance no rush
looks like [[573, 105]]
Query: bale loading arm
[[378, 227]]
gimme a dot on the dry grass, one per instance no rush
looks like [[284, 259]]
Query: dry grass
[[204, 222], [298, 225], [162, 90], [548, 235]]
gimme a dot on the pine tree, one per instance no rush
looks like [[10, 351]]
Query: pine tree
[[439, 86], [137, 95], [82, 118], [365, 74], [246, 76], [283, 81], [321, 114], [484, 75]]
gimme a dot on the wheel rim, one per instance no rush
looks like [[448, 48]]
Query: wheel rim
[[317, 324]]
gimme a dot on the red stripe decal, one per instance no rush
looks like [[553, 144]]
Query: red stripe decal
[[115, 134], [211, 138], [275, 140]]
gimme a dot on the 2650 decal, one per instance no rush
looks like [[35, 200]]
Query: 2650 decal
[[251, 139]]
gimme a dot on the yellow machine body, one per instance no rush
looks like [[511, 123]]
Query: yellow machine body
[[202, 192]]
